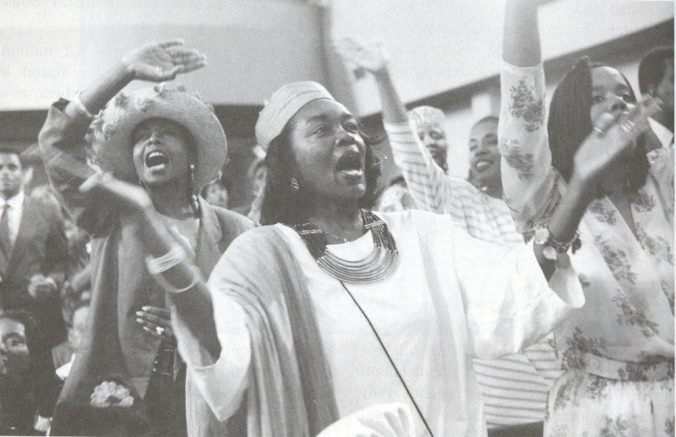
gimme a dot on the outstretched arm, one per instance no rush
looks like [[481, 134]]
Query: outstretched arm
[[62, 138], [534, 192], [194, 303], [521, 41], [371, 57], [428, 184], [155, 62], [531, 187], [201, 320]]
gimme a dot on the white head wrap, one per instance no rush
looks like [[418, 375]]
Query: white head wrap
[[283, 104]]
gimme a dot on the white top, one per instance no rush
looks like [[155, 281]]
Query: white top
[[514, 388], [15, 212], [432, 313], [382, 420]]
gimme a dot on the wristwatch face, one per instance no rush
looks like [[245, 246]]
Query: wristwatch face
[[550, 253], [541, 236]]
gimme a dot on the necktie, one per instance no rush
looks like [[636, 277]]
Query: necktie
[[5, 242]]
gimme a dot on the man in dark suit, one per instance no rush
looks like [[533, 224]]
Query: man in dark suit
[[33, 257], [33, 254]]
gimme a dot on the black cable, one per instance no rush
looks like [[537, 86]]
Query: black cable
[[382, 345]]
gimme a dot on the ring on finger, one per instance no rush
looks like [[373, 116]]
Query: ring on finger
[[599, 132], [627, 126], [159, 330]]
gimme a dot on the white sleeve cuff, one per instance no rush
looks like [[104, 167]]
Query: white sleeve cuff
[[517, 70], [222, 383], [566, 284]]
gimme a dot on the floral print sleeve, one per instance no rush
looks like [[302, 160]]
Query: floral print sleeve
[[662, 170], [530, 185]]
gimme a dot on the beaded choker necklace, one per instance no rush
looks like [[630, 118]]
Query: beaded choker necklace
[[374, 267]]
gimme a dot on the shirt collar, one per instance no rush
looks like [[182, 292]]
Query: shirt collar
[[663, 134], [14, 202]]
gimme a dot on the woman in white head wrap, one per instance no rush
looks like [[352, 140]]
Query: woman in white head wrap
[[428, 123]]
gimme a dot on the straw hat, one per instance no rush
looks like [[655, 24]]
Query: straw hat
[[110, 133]]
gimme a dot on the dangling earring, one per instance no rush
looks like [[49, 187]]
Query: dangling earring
[[295, 186], [192, 198], [192, 176]]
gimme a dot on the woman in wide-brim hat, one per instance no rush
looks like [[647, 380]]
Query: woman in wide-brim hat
[[331, 308], [117, 123], [169, 142]]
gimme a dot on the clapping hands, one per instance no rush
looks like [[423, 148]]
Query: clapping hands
[[131, 196]]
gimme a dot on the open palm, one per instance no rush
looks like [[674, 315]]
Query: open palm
[[598, 152], [162, 61], [368, 56]]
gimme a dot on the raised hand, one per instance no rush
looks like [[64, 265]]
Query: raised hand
[[162, 61], [611, 138], [365, 56]]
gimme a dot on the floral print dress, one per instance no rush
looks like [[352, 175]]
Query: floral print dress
[[618, 349]]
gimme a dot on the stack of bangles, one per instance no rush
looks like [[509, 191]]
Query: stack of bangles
[[175, 256]]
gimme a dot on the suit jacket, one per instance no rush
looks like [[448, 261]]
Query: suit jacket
[[116, 344], [40, 247]]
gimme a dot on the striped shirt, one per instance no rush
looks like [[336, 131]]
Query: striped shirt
[[514, 388]]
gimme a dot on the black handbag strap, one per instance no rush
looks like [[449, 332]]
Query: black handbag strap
[[389, 358]]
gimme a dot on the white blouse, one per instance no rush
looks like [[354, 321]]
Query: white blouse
[[432, 313]]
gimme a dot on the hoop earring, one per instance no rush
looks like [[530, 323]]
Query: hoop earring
[[295, 186]]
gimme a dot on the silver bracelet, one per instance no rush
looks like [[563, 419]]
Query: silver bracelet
[[173, 290], [161, 264], [81, 108]]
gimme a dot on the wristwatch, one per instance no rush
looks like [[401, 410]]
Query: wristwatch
[[553, 247]]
